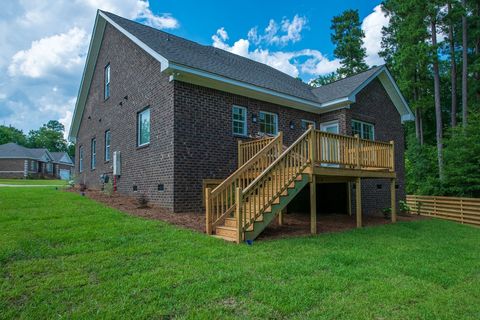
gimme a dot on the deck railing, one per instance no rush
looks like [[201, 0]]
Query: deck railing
[[268, 186], [337, 150], [248, 149], [220, 202]]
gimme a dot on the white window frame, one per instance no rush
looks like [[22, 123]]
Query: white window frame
[[275, 121], [107, 144], [304, 123], [93, 155], [106, 88], [139, 127], [80, 159], [361, 128], [244, 122]]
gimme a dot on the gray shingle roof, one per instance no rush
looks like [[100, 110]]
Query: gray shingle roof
[[214, 60], [344, 87], [57, 156], [13, 150]]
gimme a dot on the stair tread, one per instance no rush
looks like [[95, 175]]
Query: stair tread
[[227, 228]]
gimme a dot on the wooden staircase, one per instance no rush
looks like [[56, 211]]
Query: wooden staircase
[[245, 203]]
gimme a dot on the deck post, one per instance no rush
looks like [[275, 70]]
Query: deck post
[[280, 217], [280, 143], [357, 150], [238, 213], [392, 156], [349, 198], [208, 213], [239, 153], [313, 204], [358, 201], [312, 146], [393, 200]]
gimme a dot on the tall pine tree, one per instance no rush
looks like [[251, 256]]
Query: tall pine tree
[[348, 37]]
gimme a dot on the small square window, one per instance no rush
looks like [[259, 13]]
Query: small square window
[[363, 129], [161, 187], [306, 123], [135, 189], [268, 123]]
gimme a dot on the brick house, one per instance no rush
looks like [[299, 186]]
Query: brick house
[[18, 162], [176, 113]]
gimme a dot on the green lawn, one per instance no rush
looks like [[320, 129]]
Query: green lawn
[[65, 256], [33, 182]]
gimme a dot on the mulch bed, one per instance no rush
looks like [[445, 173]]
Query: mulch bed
[[294, 224]]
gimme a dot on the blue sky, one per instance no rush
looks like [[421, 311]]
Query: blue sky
[[44, 43]]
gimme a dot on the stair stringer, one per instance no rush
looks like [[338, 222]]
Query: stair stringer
[[259, 226]]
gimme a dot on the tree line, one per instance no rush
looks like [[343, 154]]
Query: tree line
[[432, 49], [49, 136]]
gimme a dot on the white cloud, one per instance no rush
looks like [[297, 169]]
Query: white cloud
[[291, 32], [63, 51], [286, 61], [372, 26], [44, 46]]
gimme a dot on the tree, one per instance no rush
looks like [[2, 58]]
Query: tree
[[406, 52], [11, 134], [348, 37], [49, 136], [453, 64], [464, 65], [436, 88], [324, 79]]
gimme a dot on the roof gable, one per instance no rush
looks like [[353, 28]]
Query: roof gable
[[15, 151]]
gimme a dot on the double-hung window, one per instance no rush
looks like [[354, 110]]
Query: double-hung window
[[268, 122], [93, 159], [239, 120], [365, 130], [80, 161], [107, 82], [107, 145], [143, 127]]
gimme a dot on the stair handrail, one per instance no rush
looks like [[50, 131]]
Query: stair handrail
[[290, 164], [220, 201]]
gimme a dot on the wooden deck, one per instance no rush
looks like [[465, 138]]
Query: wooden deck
[[270, 176]]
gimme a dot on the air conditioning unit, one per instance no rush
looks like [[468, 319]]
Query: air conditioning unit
[[117, 163]]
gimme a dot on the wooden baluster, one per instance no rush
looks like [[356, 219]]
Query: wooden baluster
[[392, 157], [238, 214], [208, 213], [357, 150]]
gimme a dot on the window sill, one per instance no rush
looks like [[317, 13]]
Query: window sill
[[106, 161], [238, 135], [143, 146]]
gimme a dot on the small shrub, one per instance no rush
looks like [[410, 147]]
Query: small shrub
[[108, 188], [387, 212], [404, 207], [142, 201]]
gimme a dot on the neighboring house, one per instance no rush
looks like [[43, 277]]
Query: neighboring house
[[63, 165], [20, 162], [176, 110]]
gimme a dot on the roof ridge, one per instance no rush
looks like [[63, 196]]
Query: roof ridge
[[349, 77]]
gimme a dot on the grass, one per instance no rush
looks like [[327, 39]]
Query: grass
[[33, 182], [65, 256]]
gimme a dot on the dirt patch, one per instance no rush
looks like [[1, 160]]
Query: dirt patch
[[194, 221], [298, 224], [294, 224]]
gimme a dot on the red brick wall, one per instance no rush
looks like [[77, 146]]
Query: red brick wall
[[137, 75], [8, 165]]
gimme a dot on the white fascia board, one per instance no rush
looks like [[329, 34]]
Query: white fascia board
[[184, 69], [163, 61]]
